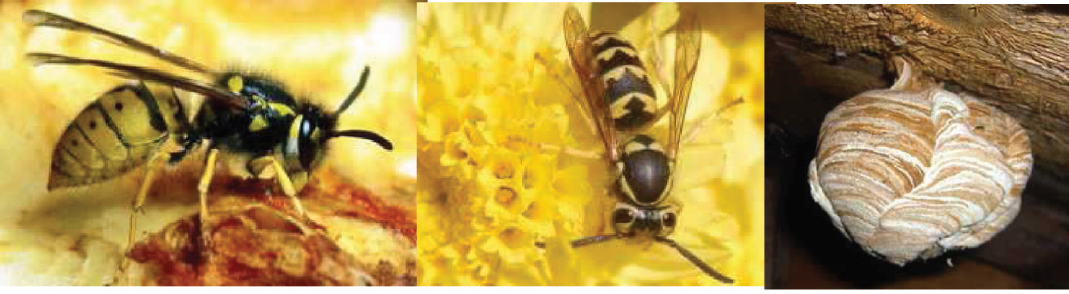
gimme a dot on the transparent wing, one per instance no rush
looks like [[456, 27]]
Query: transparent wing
[[577, 39], [146, 74], [46, 19], [688, 49]]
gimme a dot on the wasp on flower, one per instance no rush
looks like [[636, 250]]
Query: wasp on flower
[[506, 178]]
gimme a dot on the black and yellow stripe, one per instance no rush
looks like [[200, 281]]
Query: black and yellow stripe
[[628, 90], [114, 135]]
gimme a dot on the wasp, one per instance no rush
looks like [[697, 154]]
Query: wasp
[[248, 117], [617, 95]]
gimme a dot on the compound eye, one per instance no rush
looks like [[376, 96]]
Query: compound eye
[[623, 219], [668, 220], [307, 144], [668, 223], [623, 216]]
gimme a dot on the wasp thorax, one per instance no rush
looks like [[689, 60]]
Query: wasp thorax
[[645, 171]]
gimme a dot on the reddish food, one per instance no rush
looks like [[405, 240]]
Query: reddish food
[[327, 194], [256, 239], [362, 204], [251, 244]]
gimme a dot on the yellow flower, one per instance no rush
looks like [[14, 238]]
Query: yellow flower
[[495, 98]]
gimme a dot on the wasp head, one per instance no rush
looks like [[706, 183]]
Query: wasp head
[[312, 128], [633, 220]]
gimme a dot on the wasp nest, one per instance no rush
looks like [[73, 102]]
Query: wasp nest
[[912, 172]]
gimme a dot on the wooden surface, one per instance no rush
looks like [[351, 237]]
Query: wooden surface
[[1012, 56]]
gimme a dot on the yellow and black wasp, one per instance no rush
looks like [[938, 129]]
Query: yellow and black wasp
[[619, 97], [249, 117]]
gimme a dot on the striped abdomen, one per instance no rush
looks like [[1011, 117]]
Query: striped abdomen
[[628, 91], [115, 134]]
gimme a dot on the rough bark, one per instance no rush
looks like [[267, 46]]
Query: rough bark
[[1015, 57]]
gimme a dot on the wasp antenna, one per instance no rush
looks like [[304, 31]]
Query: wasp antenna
[[585, 240], [367, 135], [696, 261], [356, 91]]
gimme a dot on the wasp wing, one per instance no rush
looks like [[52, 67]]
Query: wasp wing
[[577, 39], [688, 49], [146, 74], [47, 19]]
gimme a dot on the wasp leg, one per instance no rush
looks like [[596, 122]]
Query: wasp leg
[[202, 187], [138, 204], [259, 168], [287, 186]]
